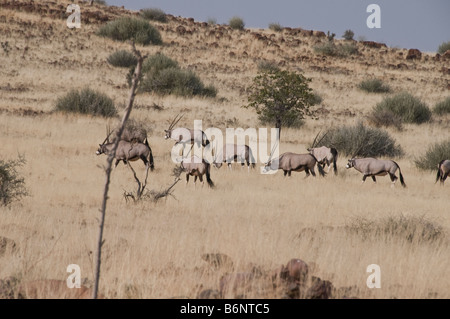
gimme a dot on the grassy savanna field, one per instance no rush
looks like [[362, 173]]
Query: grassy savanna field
[[154, 250]]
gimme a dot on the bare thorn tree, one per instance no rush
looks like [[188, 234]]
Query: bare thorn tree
[[108, 169]]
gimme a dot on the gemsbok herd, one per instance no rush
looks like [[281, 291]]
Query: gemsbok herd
[[133, 148]]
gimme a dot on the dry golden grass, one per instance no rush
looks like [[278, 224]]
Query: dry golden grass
[[154, 250]]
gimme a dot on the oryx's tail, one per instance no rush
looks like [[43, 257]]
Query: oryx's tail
[[439, 174], [151, 162], [319, 167], [402, 181], [208, 177], [251, 158], [334, 152]]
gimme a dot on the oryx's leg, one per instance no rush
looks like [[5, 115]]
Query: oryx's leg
[[313, 172], [374, 179], [307, 172], [444, 177], [144, 160], [195, 181], [201, 180], [329, 166], [117, 163], [187, 178], [364, 178], [284, 172]]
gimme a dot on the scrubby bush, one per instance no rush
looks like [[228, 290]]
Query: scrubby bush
[[360, 140], [275, 27], [409, 108], [385, 118], [86, 101], [174, 81], [122, 59], [374, 86], [152, 65], [331, 49], [127, 28], [315, 99], [154, 14], [12, 185], [211, 21], [327, 48], [236, 23], [163, 75], [348, 35], [265, 66], [433, 156], [442, 107], [444, 47]]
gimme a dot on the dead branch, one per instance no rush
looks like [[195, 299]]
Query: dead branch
[[135, 81]]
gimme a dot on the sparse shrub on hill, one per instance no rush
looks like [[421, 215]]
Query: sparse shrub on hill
[[122, 59], [348, 34], [362, 141], [315, 99], [275, 27], [444, 47], [347, 49], [154, 14], [331, 49], [163, 75], [409, 108], [433, 156], [86, 101], [175, 81], [12, 185], [236, 23], [385, 118], [265, 66], [211, 21], [374, 86], [154, 64], [127, 28], [442, 107]]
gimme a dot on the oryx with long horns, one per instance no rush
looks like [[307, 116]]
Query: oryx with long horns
[[374, 167], [289, 162], [182, 135], [127, 151], [324, 155]]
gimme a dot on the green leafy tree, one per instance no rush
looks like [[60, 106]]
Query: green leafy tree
[[281, 97]]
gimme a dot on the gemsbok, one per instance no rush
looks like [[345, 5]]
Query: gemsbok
[[128, 151], [374, 167], [182, 135], [443, 171], [289, 162], [234, 152], [197, 167], [325, 156]]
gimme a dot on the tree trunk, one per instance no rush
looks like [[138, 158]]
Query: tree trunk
[[278, 126]]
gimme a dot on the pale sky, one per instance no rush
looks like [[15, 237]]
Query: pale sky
[[418, 24]]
